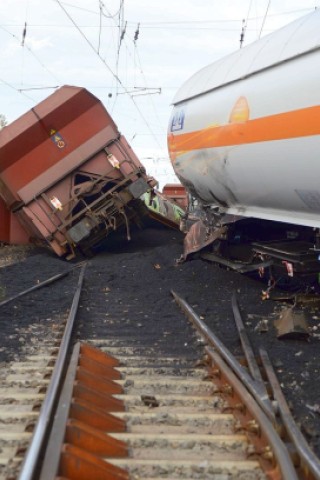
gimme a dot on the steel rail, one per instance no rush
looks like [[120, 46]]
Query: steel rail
[[35, 287], [31, 460], [248, 351], [237, 266], [280, 452], [246, 346], [79, 429], [309, 461], [52, 455], [252, 385]]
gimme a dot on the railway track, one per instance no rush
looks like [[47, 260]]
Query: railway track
[[120, 409]]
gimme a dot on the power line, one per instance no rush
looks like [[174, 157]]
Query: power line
[[172, 24], [229, 20], [16, 89], [89, 43], [48, 87], [264, 18], [245, 25], [100, 23], [151, 100], [114, 75], [31, 51], [136, 91], [176, 22], [109, 15]]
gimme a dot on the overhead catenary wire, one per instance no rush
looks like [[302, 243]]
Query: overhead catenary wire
[[138, 91], [174, 23], [180, 25], [100, 24], [151, 99], [135, 91], [26, 46], [186, 22], [264, 18], [53, 53], [109, 15], [114, 74], [121, 32], [16, 89], [245, 25], [47, 87]]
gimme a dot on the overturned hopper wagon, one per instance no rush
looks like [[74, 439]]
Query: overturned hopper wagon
[[67, 174]]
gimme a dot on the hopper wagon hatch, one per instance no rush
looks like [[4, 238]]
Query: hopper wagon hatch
[[67, 175]]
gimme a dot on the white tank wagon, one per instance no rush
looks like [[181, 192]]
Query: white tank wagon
[[244, 132]]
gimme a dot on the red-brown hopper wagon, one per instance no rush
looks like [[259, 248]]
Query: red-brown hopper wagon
[[67, 174]]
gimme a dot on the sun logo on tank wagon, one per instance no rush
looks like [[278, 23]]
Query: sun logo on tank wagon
[[240, 111]]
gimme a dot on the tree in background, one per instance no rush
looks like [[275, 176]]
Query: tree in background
[[3, 121]]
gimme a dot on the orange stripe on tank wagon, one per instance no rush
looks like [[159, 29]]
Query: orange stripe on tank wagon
[[298, 123]]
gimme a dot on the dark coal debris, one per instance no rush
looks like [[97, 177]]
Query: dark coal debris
[[137, 278]]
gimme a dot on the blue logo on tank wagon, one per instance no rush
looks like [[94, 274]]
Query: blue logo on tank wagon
[[178, 120]]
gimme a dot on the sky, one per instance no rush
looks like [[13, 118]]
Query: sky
[[131, 54]]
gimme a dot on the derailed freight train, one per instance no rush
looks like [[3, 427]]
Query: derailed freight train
[[244, 140], [67, 174]]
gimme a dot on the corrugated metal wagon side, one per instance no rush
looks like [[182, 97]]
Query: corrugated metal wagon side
[[67, 173]]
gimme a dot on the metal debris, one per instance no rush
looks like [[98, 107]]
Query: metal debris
[[299, 299], [292, 324], [262, 326]]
